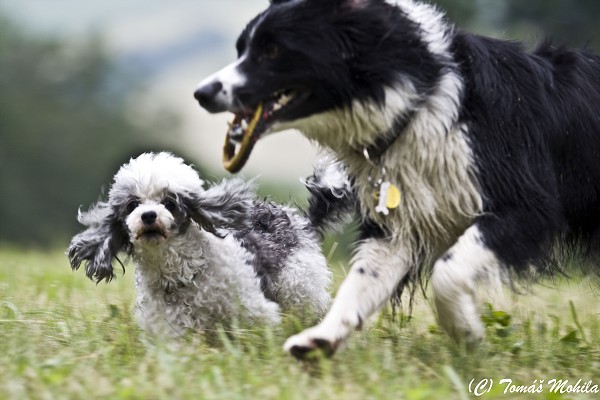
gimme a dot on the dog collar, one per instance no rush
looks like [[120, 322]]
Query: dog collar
[[376, 149], [387, 195]]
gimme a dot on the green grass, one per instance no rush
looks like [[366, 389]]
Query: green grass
[[63, 337]]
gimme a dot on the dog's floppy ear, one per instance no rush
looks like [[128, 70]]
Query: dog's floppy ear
[[99, 245], [226, 205]]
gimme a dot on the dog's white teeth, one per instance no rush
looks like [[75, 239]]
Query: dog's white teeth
[[284, 99], [236, 133]]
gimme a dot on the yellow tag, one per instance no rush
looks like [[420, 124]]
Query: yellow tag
[[393, 197]]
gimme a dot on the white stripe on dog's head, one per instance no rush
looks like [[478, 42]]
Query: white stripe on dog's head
[[227, 80]]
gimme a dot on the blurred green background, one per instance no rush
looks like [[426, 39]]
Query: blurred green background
[[84, 86]]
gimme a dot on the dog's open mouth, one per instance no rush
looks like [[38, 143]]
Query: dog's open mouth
[[247, 127], [153, 233]]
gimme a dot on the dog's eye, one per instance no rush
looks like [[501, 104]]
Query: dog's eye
[[170, 205], [272, 52], [132, 205]]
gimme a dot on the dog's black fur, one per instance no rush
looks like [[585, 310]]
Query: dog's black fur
[[535, 130]]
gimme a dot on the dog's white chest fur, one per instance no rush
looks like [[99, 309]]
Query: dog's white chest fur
[[430, 162], [434, 174]]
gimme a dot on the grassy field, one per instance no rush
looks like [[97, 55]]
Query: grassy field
[[63, 337]]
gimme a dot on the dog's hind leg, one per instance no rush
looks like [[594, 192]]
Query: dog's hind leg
[[454, 281], [377, 268]]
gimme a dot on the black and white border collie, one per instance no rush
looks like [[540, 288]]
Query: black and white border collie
[[470, 159]]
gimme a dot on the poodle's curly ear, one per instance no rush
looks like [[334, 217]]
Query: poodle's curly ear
[[227, 205], [99, 244]]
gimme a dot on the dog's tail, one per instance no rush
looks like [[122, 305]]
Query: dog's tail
[[331, 201]]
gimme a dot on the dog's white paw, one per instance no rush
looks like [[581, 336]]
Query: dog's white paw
[[310, 340]]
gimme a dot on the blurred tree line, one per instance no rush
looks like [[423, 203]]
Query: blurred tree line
[[570, 22], [64, 131], [64, 110]]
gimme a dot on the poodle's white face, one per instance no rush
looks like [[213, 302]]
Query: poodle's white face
[[149, 192], [151, 221], [154, 198]]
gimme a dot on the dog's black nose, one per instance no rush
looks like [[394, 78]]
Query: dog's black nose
[[207, 96], [149, 217]]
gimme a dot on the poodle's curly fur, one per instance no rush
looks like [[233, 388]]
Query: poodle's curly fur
[[203, 257]]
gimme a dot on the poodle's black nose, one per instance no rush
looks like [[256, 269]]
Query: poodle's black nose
[[207, 96], [149, 217]]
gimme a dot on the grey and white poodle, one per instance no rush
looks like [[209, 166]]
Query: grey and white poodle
[[203, 256]]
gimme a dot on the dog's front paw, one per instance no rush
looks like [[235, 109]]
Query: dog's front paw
[[310, 341]]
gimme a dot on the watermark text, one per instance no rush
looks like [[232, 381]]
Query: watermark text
[[480, 387]]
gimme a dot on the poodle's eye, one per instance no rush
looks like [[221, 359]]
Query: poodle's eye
[[132, 205], [170, 205]]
